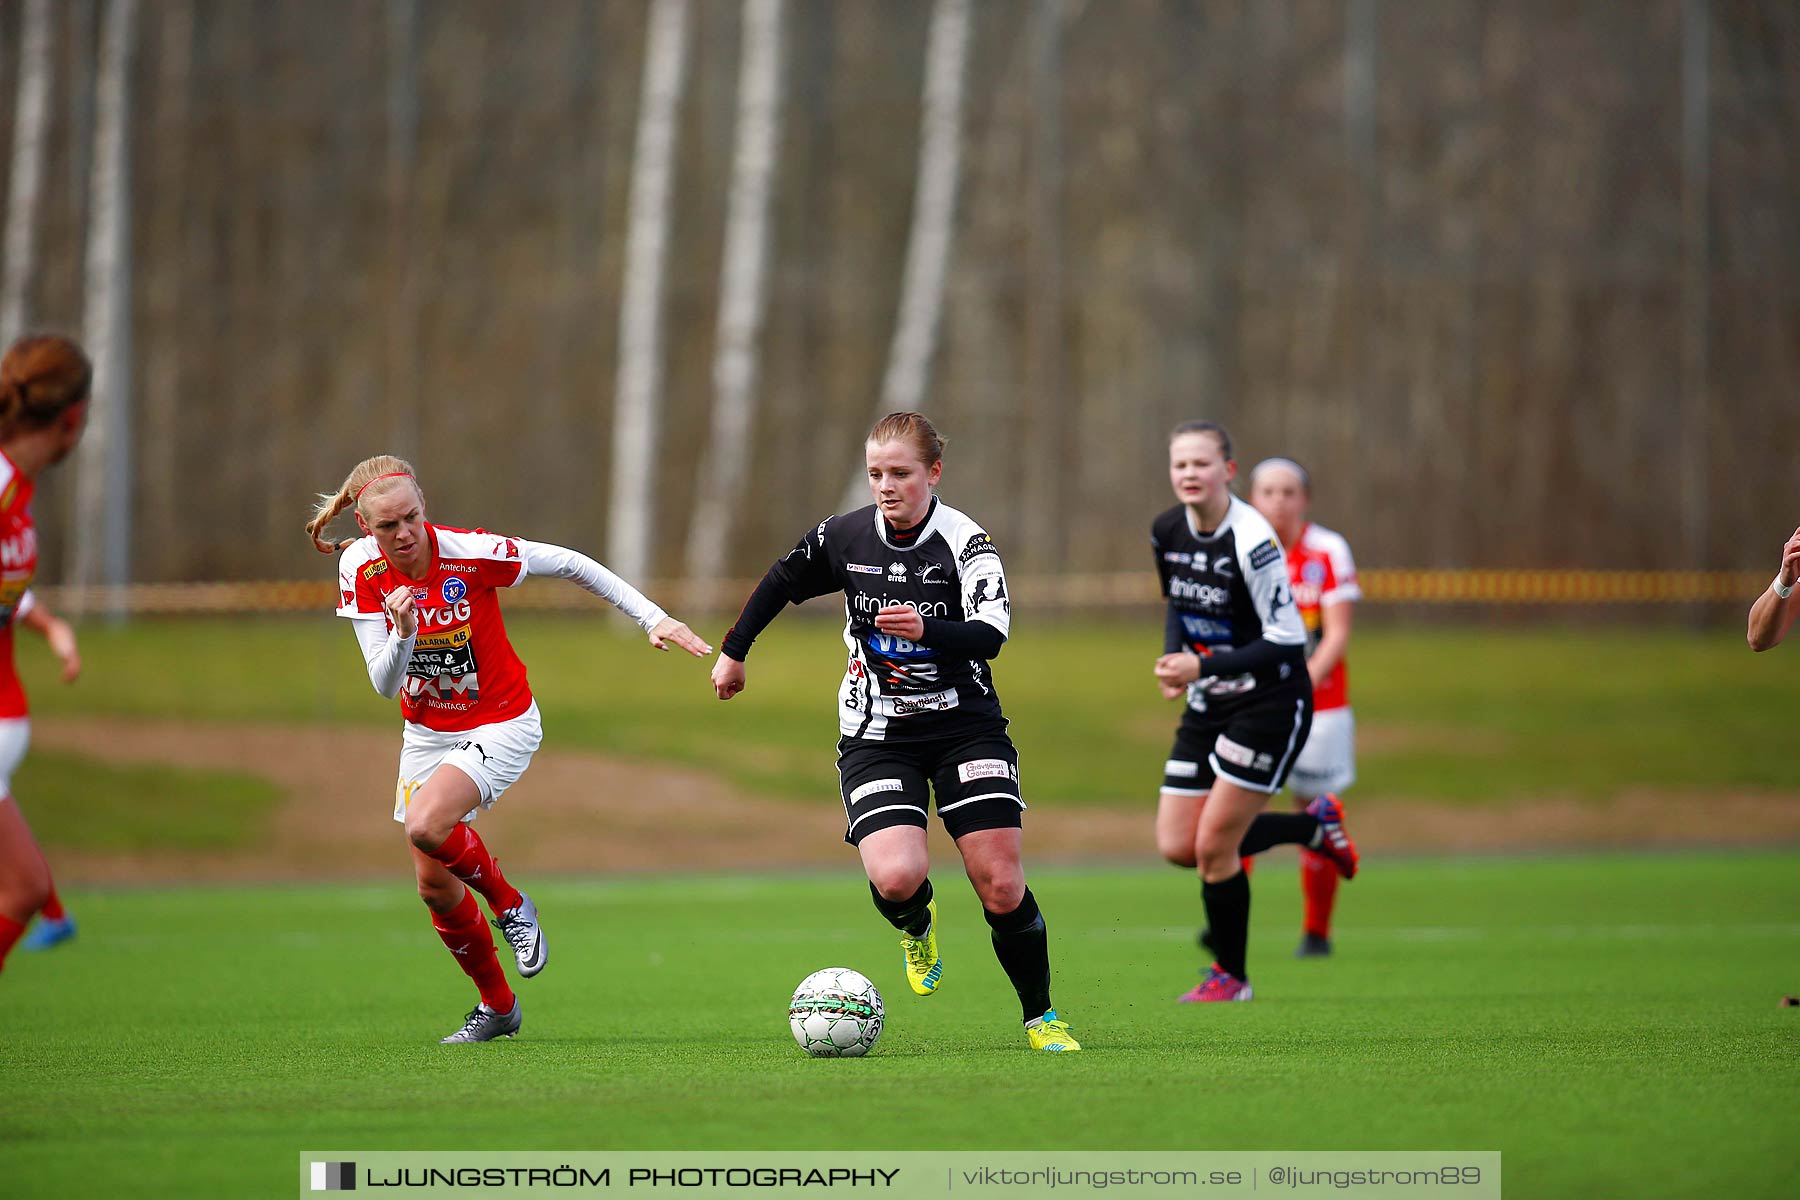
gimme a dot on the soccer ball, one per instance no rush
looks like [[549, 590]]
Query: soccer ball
[[835, 1013]]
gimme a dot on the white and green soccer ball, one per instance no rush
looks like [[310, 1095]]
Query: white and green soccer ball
[[835, 1013]]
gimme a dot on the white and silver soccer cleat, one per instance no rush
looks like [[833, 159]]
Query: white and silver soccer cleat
[[520, 928], [483, 1024]]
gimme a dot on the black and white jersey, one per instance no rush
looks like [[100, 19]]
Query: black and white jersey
[[1226, 589], [894, 689]]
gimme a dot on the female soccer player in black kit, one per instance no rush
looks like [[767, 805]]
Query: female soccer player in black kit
[[1234, 646], [926, 610]]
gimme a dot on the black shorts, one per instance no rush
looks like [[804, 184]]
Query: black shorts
[[976, 780], [1254, 746]]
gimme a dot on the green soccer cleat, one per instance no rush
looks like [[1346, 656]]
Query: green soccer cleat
[[1049, 1034], [923, 966]]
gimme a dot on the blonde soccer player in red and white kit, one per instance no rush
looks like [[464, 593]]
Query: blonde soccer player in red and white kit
[[1322, 574], [421, 598], [44, 383]]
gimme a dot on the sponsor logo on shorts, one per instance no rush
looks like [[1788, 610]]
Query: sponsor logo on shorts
[[862, 568], [1264, 554], [453, 589], [932, 702], [874, 786], [1176, 768], [1235, 753], [984, 768]]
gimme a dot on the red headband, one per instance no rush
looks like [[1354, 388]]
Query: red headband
[[378, 478]]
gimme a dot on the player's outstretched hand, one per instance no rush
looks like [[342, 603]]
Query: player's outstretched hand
[[670, 630], [62, 644], [1790, 561], [727, 677], [398, 604]]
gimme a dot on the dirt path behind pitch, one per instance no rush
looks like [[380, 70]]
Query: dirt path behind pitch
[[581, 812]]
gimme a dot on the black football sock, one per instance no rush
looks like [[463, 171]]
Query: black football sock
[[1278, 829], [1023, 949], [1228, 920], [909, 916]]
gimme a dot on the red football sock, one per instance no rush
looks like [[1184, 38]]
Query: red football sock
[[466, 936], [1247, 863], [53, 909], [10, 932], [1318, 885], [469, 860]]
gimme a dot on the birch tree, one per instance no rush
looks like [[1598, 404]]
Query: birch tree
[[725, 463], [914, 346], [637, 396], [26, 183], [102, 549]]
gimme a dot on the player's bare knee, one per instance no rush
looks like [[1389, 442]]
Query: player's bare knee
[[1175, 848], [1001, 894], [898, 880], [426, 835]]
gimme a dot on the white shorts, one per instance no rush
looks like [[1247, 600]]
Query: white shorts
[[15, 736], [1327, 762], [494, 756]]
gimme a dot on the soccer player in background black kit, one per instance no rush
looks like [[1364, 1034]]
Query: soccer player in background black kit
[[926, 610], [1234, 646]]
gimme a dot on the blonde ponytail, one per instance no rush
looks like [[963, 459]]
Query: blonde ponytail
[[371, 477]]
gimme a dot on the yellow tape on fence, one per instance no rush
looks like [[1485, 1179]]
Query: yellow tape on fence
[[1117, 590]]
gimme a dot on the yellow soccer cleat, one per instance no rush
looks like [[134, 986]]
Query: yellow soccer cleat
[[1049, 1034], [923, 966]]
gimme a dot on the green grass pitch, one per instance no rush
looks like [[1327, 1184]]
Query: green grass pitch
[[1609, 1023]]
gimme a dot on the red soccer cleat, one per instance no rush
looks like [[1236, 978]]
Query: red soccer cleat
[[1218, 985], [1334, 843]]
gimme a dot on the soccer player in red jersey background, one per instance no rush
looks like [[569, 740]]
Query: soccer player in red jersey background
[[421, 598], [44, 382], [1322, 574]]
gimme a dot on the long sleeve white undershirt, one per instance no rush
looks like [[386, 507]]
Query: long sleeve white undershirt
[[542, 558], [386, 654]]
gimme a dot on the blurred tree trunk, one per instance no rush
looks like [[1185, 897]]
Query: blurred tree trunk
[[1048, 429], [725, 465], [933, 220], [31, 119], [400, 391], [103, 489], [631, 515], [166, 261]]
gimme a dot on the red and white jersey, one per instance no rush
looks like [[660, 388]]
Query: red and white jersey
[[1322, 573], [463, 672], [18, 563]]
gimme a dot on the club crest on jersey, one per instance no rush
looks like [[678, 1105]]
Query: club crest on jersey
[[454, 589], [1225, 565], [1313, 573], [928, 570]]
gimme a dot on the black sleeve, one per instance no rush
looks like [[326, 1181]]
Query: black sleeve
[[797, 576], [1257, 656], [1162, 568], [972, 639], [1174, 635], [763, 606]]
